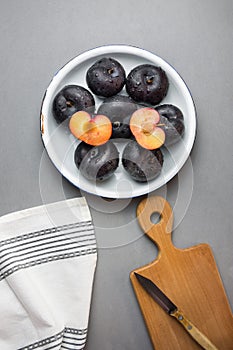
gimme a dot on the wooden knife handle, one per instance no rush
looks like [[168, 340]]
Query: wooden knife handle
[[200, 338]]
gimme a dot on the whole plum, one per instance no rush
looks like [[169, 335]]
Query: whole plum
[[96, 162], [119, 109], [106, 77], [140, 163], [71, 99], [147, 84], [172, 123]]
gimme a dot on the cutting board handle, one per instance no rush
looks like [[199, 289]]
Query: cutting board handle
[[159, 232]]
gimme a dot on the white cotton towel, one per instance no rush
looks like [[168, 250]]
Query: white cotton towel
[[48, 257]]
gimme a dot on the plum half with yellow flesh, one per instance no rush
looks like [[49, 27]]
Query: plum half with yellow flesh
[[145, 126], [94, 130]]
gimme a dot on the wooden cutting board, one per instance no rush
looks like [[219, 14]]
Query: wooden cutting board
[[190, 278]]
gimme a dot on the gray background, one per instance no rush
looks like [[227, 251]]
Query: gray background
[[37, 38]]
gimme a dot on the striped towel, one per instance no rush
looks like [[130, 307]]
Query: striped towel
[[48, 257]]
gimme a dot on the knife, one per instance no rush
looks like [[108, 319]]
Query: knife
[[172, 310]]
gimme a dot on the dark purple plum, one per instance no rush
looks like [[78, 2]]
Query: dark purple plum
[[172, 122], [106, 77], [147, 84], [71, 99], [140, 163], [96, 162], [119, 109]]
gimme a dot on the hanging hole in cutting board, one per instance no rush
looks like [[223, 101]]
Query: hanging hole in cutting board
[[155, 217]]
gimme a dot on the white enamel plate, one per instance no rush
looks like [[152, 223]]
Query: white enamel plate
[[61, 144]]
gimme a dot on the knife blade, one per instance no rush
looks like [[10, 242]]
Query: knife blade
[[171, 309]]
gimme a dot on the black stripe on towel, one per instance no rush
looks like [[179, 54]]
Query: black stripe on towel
[[53, 245], [35, 248], [26, 243], [58, 341]]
